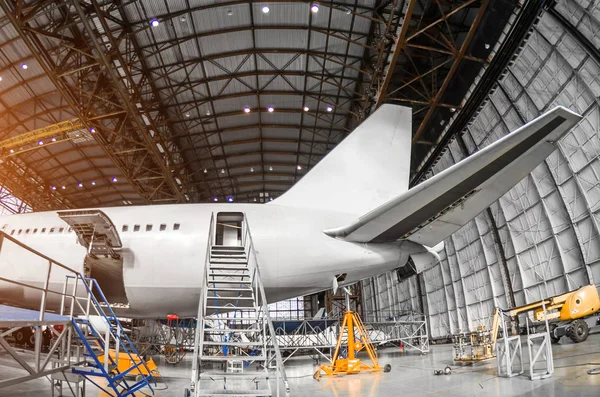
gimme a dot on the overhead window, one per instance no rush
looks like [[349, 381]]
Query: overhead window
[[124, 228], [34, 231], [12, 232], [20, 231], [136, 228], [62, 229], [176, 226], [43, 230], [70, 230], [163, 227], [27, 231], [148, 228], [52, 229]]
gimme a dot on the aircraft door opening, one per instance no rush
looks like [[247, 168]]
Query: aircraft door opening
[[228, 229]]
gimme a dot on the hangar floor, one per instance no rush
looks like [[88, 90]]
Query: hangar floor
[[411, 375]]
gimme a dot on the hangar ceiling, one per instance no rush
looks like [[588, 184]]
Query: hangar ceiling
[[193, 101]]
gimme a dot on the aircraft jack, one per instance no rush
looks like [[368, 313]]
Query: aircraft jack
[[350, 364]]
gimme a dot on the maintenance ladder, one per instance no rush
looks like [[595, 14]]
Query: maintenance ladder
[[233, 326], [104, 341]]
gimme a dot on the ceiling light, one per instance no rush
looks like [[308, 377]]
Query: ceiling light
[[222, 170], [230, 13], [314, 8], [24, 66], [114, 179], [53, 187], [12, 150], [453, 110], [348, 11], [299, 167], [208, 112], [265, 9], [271, 109], [255, 199], [487, 46], [0, 78], [216, 199], [270, 198], [93, 183], [53, 139], [246, 109], [205, 171], [230, 199], [306, 109], [154, 22], [80, 184], [40, 142], [187, 115], [251, 169], [92, 130], [63, 187], [329, 108], [270, 168], [182, 19]]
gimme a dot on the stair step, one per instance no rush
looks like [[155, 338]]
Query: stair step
[[228, 275], [233, 392], [232, 319], [222, 261], [228, 330], [229, 289], [228, 255], [233, 358], [235, 344], [219, 266], [227, 247], [233, 308], [231, 298], [229, 281]]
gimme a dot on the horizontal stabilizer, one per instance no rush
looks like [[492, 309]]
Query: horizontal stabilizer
[[436, 208]]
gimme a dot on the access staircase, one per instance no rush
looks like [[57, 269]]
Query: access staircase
[[104, 342], [230, 351]]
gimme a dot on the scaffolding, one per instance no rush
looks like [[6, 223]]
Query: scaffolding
[[87, 340]]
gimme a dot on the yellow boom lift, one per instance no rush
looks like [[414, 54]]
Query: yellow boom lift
[[568, 314]]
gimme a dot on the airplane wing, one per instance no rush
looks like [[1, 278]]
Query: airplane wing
[[436, 208]]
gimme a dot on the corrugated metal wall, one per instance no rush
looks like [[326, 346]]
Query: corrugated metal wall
[[547, 225]]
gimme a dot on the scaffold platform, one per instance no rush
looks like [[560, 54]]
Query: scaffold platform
[[16, 317]]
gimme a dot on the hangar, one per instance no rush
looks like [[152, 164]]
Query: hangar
[[232, 197]]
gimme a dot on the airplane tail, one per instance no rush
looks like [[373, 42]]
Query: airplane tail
[[367, 169]]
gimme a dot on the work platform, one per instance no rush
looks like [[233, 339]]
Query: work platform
[[16, 317], [84, 341]]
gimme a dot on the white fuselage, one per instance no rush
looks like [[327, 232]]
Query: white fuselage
[[163, 269]]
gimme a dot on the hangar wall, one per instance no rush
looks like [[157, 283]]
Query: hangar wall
[[542, 237]]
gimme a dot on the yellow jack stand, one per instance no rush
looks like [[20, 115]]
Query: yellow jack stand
[[351, 364]]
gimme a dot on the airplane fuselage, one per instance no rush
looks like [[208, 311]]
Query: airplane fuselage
[[164, 251]]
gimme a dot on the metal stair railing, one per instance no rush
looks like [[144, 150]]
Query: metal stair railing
[[199, 337], [262, 298]]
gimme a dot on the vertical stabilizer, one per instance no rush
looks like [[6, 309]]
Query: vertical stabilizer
[[368, 168]]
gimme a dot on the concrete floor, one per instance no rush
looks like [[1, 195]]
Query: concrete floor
[[411, 375]]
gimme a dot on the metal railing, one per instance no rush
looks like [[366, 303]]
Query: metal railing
[[199, 337], [63, 341], [280, 368]]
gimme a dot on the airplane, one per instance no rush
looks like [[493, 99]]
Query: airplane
[[352, 216]]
